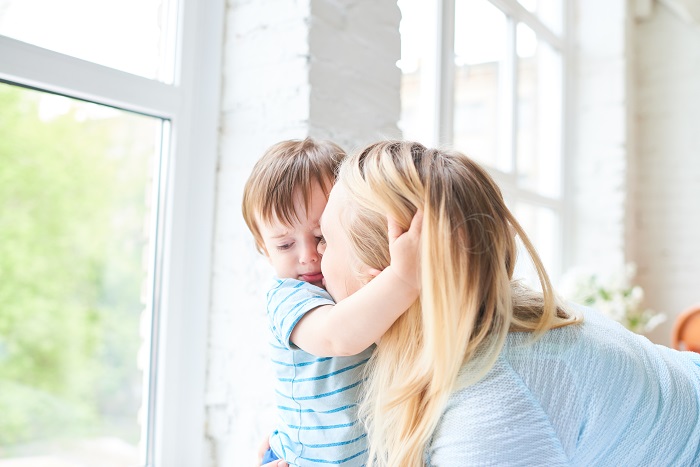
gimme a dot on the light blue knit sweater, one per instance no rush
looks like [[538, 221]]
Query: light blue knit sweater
[[592, 394]]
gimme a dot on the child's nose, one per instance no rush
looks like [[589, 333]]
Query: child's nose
[[309, 254]]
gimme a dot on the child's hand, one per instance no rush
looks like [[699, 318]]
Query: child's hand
[[261, 453], [262, 449], [276, 464], [404, 248]]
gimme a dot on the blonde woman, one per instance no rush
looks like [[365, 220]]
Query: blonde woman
[[481, 370]]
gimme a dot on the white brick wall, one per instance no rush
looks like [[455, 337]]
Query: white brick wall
[[353, 74], [293, 68], [635, 182], [598, 164], [666, 222]]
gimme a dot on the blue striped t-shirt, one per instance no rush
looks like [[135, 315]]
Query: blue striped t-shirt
[[316, 396]]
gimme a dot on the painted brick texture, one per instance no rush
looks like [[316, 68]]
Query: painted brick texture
[[292, 69], [597, 178], [666, 222]]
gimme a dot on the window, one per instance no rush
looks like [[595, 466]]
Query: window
[[95, 31], [108, 137], [488, 78], [76, 178]]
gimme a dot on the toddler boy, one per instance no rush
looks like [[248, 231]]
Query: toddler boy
[[318, 373]]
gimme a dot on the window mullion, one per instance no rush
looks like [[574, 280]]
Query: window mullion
[[35, 67], [510, 101], [446, 71], [537, 199], [181, 366], [568, 120], [519, 13]]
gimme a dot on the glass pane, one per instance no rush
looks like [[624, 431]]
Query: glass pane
[[539, 109], [550, 12], [417, 54], [542, 226], [481, 115], [75, 185], [136, 36]]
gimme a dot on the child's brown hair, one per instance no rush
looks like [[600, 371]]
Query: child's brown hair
[[284, 168]]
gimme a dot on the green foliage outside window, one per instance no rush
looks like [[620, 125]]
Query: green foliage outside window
[[71, 242]]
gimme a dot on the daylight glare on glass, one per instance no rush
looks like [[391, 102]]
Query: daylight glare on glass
[[136, 36]]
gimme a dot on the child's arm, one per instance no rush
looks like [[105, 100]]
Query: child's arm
[[358, 321]]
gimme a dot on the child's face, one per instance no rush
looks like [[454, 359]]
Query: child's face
[[338, 258], [292, 249]]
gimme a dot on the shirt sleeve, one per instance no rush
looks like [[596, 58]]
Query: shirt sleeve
[[287, 302]]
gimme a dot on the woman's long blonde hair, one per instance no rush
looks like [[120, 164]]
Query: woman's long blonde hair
[[468, 303]]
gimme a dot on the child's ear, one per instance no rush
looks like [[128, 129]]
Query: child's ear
[[369, 274], [373, 272]]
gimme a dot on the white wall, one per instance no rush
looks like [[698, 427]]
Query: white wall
[[635, 182], [292, 68], [666, 221], [597, 158]]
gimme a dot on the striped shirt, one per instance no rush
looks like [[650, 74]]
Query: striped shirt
[[316, 396]]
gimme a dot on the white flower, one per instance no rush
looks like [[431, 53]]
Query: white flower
[[654, 321], [614, 295], [637, 294]]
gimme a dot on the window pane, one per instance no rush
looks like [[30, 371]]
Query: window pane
[[136, 36], [541, 224], [539, 112], [75, 249], [417, 53], [550, 12], [481, 115]]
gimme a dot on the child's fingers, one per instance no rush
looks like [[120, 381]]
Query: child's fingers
[[276, 463], [417, 222], [395, 230], [262, 449]]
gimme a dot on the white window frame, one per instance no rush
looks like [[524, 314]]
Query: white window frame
[[176, 427], [440, 77]]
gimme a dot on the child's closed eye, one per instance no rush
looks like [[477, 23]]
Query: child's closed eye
[[285, 246], [321, 240]]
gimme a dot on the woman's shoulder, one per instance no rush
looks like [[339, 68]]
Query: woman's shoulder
[[594, 332], [554, 394], [495, 419], [594, 349]]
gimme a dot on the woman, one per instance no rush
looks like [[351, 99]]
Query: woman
[[482, 370]]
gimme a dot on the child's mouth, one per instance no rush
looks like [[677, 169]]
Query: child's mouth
[[314, 278]]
